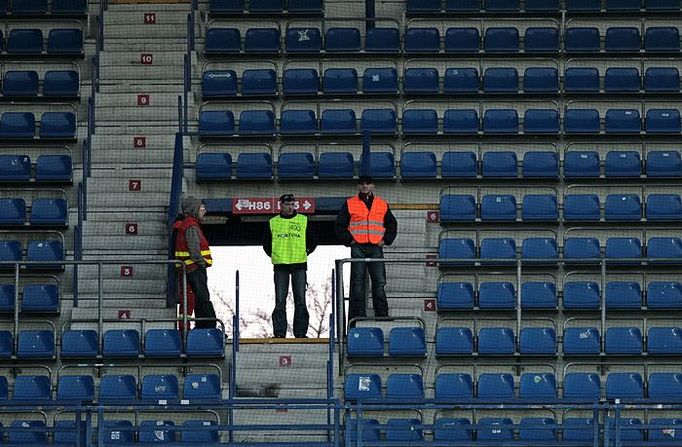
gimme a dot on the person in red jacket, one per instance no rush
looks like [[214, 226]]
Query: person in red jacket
[[366, 224], [191, 247], [180, 280]]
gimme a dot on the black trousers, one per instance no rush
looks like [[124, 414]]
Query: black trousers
[[203, 308]]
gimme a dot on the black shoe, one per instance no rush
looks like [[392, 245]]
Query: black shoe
[[279, 336], [301, 336]]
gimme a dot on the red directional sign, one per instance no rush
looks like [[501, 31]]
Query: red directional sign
[[270, 205]]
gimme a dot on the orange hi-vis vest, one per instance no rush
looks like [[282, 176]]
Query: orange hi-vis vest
[[367, 225], [182, 250]]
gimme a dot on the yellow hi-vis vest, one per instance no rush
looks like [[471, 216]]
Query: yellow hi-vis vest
[[288, 239]]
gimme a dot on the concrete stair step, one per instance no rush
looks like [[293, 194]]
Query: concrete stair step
[[113, 271], [141, 19], [125, 201], [158, 74], [107, 217], [124, 286], [117, 59], [108, 100], [109, 142], [143, 43], [124, 128], [88, 300], [113, 8], [126, 242], [165, 82], [122, 185], [136, 313], [107, 228], [164, 114]]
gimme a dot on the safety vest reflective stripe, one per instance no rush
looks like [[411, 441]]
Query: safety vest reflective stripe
[[367, 225]]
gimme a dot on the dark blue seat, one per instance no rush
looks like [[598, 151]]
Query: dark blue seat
[[665, 386], [501, 40], [457, 208], [496, 295], [365, 342], [216, 123], [663, 207], [621, 80], [261, 40], [213, 166], [489, 433], [460, 121], [664, 341], [202, 433], [461, 80], [581, 80], [457, 249], [581, 207], [340, 81], [541, 40], [532, 430], [296, 166], [15, 168], [422, 6], [222, 41], [61, 83], [664, 295], [667, 431], [622, 121], [664, 248], [157, 432], [379, 121], [303, 40], [454, 295], [382, 40], [623, 39], [662, 5], [57, 125], [53, 168], [35, 344], [406, 342], [540, 208], [421, 80], [582, 40], [624, 386], [7, 292], [298, 122], [259, 82], [25, 41], [500, 164], [662, 79], [502, 5], [41, 298], [495, 341], [623, 295], [382, 165], [10, 251], [454, 341], [539, 248], [32, 388], [300, 81], [581, 295], [336, 165], [380, 81], [540, 164], [254, 165], [581, 121], [462, 5], [76, 389], [452, 430], [458, 165], [12, 212], [338, 121], [369, 429], [6, 348], [342, 40], [500, 121], [538, 295], [541, 80], [623, 5], [420, 122], [498, 207], [266, 6], [500, 80], [422, 40], [29, 7], [581, 341], [79, 344], [162, 343], [542, 6], [581, 250], [462, 40], [663, 164], [17, 125], [121, 343], [117, 389], [623, 207], [418, 165], [257, 122], [38, 436], [159, 387], [623, 164], [305, 6], [663, 121], [404, 430], [537, 386], [49, 212], [453, 386], [203, 343], [20, 83], [69, 7], [541, 121], [578, 164], [620, 248], [662, 39], [362, 387], [203, 387], [45, 251], [495, 386], [65, 41]]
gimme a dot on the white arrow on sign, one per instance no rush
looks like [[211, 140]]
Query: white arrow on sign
[[306, 205]]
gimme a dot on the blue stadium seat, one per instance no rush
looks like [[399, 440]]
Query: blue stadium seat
[[582, 386], [162, 343], [531, 430], [256, 122], [45, 251], [379, 121], [66, 434], [7, 292], [462, 40], [662, 39], [664, 248], [380, 81], [463, 121], [205, 343], [6, 344], [20, 83], [340, 81], [624, 386], [452, 430], [663, 121], [405, 387], [406, 342], [664, 295], [620, 248], [202, 435], [539, 249], [537, 386], [69, 7], [159, 387], [156, 432], [382, 40], [37, 436], [261, 40], [541, 40], [665, 386], [500, 121], [303, 40], [259, 82], [663, 164], [623, 341], [41, 298], [581, 207], [336, 165], [61, 83], [382, 165], [496, 341], [499, 164], [500, 249], [581, 40], [422, 6], [117, 432], [622, 121], [338, 121], [664, 341], [541, 121], [365, 342], [121, 343], [453, 386], [581, 295], [12, 212], [498, 207], [215, 123], [296, 166], [581, 341], [458, 165], [420, 80], [404, 430], [541, 80], [17, 125], [456, 249], [15, 168], [79, 344], [623, 207], [623, 295], [581, 80], [622, 80], [455, 295], [369, 429], [496, 386], [538, 295], [581, 164], [203, 387], [212, 166], [420, 122], [298, 122], [623, 39], [4, 7], [76, 389], [25, 41], [10, 251], [461, 80], [115, 389], [581, 121], [30, 7], [422, 40], [342, 40], [668, 431], [663, 207], [457, 208], [305, 6], [300, 81], [32, 388], [222, 41], [502, 5], [661, 79], [53, 168], [488, 432], [418, 165], [57, 125], [454, 340], [500, 80], [538, 341], [542, 6], [501, 40], [266, 6], [578, 430], [35, 344], [496, 295], [52, 212], [65, 41], [662, 5], [362, 387], [462, 5], [623, 5]]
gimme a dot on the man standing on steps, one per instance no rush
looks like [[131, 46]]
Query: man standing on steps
[[366, 224], [191, 247], [288, 241]]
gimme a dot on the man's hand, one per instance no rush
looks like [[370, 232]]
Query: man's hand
[[381, 243]]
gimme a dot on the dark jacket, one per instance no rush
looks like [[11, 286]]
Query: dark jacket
[[343, 220], [310, 245]]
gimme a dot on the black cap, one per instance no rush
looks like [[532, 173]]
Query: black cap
[[287, 198], [365, 179]]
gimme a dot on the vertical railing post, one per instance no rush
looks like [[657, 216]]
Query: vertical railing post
[[340, 313], [518, 303], [602, 302], [100, 305], [15, 335]]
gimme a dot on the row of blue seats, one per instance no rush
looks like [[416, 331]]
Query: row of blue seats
[[44, 212], [38, 250], [48, 168], [415, 122], [218, 166], [402, 341], [457, 40], [576, 295], [40, 7], [55, 84], [265, 6], [450, 387], [540, 6], [576, 250], [29, 41], [40, 298], [117, 343], [427, 81], [545, 208], [112, 388], [22, 125]]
